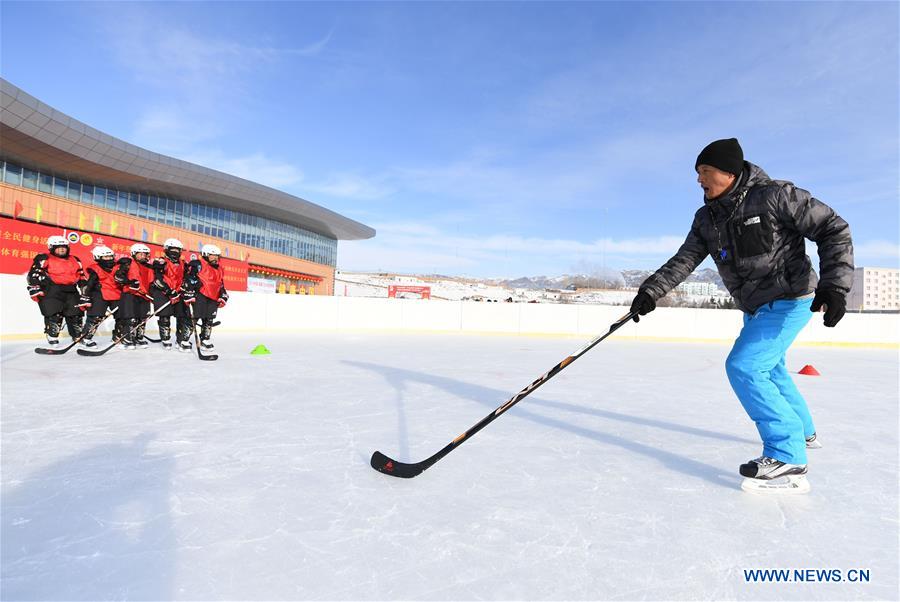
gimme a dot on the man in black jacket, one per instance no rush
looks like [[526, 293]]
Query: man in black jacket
[[754, 228]]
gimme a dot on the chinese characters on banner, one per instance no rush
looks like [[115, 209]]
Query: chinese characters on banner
[[403, 292], [21, 241]]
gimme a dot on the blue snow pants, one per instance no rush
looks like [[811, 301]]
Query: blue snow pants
[[761, 382]]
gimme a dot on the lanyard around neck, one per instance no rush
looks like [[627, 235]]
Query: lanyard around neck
[[723, 252]]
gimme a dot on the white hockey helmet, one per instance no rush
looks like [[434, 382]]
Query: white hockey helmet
[[57, 241], [173, 243], [210, 250], [100, 252], [139, 247]]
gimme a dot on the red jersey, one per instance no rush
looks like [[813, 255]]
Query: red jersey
[[173, 275], [63, 270], [211, 278], [143, 274], [109, 288]]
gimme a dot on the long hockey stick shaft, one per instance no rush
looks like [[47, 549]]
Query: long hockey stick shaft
[[206, 358], [382, 463], [92, 353], [78, 339]]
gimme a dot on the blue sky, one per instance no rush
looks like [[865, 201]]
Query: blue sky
[[490, 139]]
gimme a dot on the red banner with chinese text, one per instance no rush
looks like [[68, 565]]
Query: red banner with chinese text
[[21, 241], [424, 292]]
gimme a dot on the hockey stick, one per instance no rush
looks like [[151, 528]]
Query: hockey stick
[[206, 358], [98, 352], [159, 340], [84, 335], [386, 465]]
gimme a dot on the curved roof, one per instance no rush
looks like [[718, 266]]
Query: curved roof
[[40, 136]]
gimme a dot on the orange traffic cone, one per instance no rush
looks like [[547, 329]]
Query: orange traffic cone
[[809, 370]]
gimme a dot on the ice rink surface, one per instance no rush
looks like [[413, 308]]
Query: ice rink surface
[[151, 475]]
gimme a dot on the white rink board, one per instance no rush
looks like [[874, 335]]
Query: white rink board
[[280, 313]]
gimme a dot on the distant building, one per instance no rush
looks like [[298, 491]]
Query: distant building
[[875, 289], [698, 289], [59, 176]]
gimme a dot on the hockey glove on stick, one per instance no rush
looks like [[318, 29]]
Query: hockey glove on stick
[[642, 305]]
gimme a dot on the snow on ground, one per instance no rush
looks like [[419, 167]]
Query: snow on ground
[[152, 475]]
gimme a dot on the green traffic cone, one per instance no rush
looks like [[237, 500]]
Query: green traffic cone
[[260, 350]]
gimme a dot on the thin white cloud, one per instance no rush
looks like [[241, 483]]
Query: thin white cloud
[[350, 186], [422, 247], [256, 168]]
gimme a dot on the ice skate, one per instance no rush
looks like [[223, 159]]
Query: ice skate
[[770, 476], [185, 346], [793, 484], [52, 341], [812, 442], [88, 343], [765, 467], [206, 345], [167, 344]]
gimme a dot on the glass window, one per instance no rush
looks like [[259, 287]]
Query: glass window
[[60, 187], [13, 174], [29, 178], [133, 206], [153, 210], [87, 194], [74, 191], [169, 212], [179, 213], [143, 205], [45, 183], [99, 196]]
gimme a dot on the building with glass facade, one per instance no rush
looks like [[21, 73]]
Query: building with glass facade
[[57, 171]]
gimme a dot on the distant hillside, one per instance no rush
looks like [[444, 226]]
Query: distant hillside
[[634, 278]]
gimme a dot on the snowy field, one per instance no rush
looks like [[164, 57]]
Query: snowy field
[[151, 475]]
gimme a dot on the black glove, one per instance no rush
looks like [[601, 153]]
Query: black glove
[[643, 304], [36, 277], [84, 302], [35, 291], [188, 296], [835, 305]]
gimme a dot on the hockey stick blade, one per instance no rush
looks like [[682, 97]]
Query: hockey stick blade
[[386, 465], [207, 358], [94, 352], [382, 463], [48, 351]]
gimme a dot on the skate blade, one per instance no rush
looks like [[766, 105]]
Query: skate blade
[[787, 485]]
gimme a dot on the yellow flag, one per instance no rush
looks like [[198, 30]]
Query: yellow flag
[[38, 213], [97, 221], [154, 236], [113, 224], [80, 220]]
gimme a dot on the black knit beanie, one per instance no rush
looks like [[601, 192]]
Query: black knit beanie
[[726, 155]]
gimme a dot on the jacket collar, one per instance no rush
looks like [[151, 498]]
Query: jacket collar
[[750, 176]]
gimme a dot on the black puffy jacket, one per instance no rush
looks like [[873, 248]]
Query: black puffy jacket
[[755, 235]]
